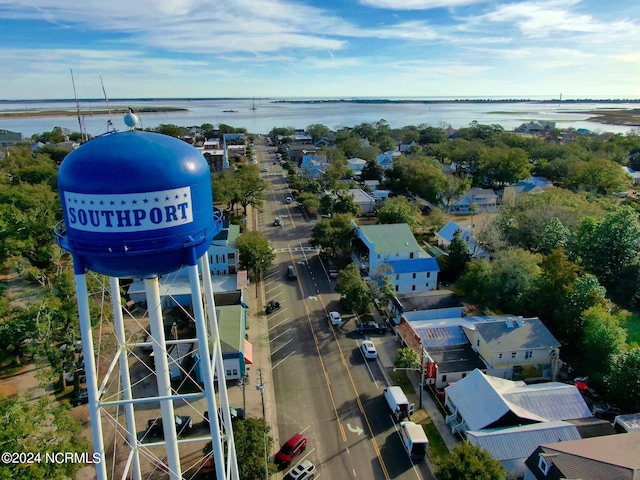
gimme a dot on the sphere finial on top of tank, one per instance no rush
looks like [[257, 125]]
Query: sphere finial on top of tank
[[136, 204]]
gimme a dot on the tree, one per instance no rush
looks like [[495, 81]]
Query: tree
[[372, 171], [609, 246], [586, 292], [458, 257], [354, 290], [400, 210], [469, 462], [249, 437], [555, 235], [334, 233], [454, 187], [500, 166], [406, 358], [309, 202], [623, 381], [380, 286], [255, 252], [599, 175], [251, 186], [318, 131], [39, 428], [603, 340]]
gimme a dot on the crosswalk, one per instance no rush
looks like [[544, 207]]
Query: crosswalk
[[294, 249]]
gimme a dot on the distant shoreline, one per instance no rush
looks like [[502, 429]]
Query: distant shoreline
[[461, 100], [86, 113]]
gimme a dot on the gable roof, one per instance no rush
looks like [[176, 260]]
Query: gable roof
[[510, 443], [486, 402], [446, 232], [609, 457], [515, 333], [390, 238]]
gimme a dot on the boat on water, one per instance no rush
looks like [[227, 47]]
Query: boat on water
[[230, 111]]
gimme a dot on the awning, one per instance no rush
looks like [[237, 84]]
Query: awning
[[248, 353]]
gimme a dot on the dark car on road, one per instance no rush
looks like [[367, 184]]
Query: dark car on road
[[272, 306], [80, 397], [183, 426], [370, 326], [291, 449]]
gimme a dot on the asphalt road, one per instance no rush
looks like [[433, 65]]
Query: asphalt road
[[324, 387]]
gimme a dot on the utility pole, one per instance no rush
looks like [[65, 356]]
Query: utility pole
[[260, 388]]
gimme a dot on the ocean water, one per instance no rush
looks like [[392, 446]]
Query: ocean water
[[270, 113]]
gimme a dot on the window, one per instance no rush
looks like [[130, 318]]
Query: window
[[544, 464], [378, 256], [428, 274], [478, 343], [396, 288], [444, 378], [232, 257], [528, 354], [513, 354], [414, 275], [411, 255], [413, 287], [500, 356], [464, 375], [397, 276]]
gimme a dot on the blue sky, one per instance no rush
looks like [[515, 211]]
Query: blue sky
[[320, 48]]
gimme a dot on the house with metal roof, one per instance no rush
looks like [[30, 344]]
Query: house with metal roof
[[612, 457], [511, 446], [356, 165], [481, 401], [392, 250], [515, 347], [366, 202], [237, 351], [430, 305]]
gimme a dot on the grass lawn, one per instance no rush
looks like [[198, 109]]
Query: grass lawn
[[437, 448], [630, 321]]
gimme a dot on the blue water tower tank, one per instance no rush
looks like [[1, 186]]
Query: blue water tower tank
[[136, 204]]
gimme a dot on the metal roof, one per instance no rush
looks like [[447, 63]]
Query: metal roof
[[516, 333], [483, 401], [391, 238], [510, 443]]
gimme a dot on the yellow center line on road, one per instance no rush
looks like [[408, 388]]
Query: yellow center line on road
[[326, 374]]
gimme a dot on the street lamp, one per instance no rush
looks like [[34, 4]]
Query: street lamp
[[414, 369], [260, 388]]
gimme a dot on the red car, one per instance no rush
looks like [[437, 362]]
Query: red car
[[292, 448]]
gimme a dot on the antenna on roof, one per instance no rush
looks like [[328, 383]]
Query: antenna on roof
[[106, 99], [83, 135]]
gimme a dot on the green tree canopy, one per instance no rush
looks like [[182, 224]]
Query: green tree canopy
[[400, 210], [469, 462], [255, 252], [623, 381], [354, 290], [335, 233], [500, 166]]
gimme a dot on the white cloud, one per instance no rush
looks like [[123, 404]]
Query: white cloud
[[417, 4]]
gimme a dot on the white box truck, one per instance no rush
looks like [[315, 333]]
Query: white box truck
[[398, 402], [414, 439]]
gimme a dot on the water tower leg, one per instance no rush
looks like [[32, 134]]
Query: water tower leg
[[156, 326], [84, 316], [207, 372], [218, 361], [125, 377]]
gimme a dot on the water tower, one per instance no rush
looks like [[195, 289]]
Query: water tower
[[139, 205]]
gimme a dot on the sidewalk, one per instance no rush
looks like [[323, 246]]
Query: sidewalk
[[386, 356]]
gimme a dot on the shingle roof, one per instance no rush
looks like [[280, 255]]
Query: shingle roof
[[516, 334], [613, 457]]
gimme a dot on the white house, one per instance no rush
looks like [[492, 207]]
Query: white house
[[485, 200], [356, 165], [367, 202], [392, 250]]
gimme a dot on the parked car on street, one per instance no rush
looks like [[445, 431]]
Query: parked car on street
[[272, 306], [370, 326], [291, 449], [369, 350], [183, 426], [335, 318], [80, 397], [305, 470]]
